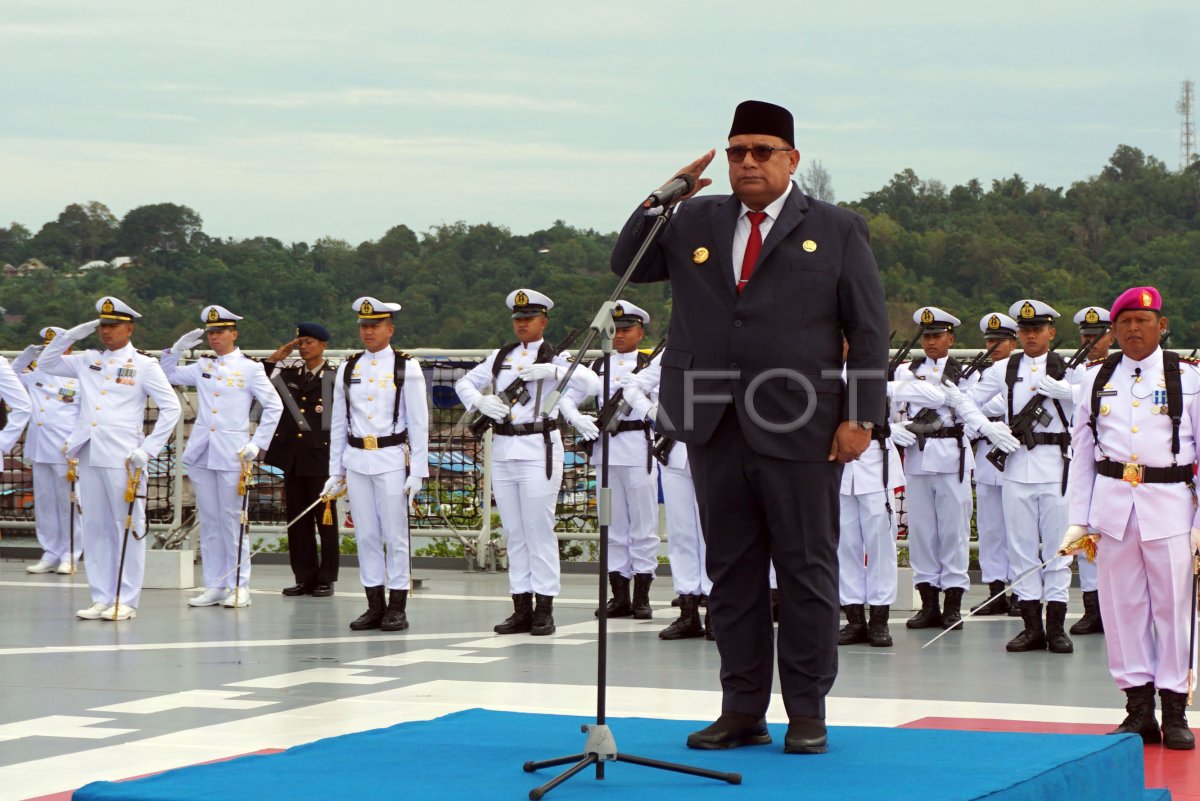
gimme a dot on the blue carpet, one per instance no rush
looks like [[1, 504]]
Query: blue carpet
[[478, 754]]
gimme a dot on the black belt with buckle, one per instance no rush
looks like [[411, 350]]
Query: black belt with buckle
[[522, 429], [373, 443], [630, 425], [1135, 474], [949, 432]]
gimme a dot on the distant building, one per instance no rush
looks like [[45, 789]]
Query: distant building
[[30, 266], [94, 265]]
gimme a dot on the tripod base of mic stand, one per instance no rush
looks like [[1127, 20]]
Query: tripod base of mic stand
[[600, 748]]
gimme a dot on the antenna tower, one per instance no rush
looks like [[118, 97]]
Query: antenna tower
[[1187, 123]]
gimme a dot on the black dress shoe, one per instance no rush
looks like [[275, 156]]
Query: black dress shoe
[[731, 730], [806, 736], [322, 591], [299, 589]]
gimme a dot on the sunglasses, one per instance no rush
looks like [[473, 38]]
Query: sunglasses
[[738, 153]]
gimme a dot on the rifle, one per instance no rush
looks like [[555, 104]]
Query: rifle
[[515, 393], [610, 413], [980, 361], [1023, 422], [901, 354]]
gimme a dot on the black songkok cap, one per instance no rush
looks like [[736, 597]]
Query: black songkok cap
[[759, 117]]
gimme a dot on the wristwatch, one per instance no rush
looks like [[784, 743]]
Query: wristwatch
[[865, 425]]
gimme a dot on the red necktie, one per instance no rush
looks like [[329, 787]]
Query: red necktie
[[752, 248]]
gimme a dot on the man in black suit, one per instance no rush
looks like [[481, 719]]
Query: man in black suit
[[764, 284], [301, 450]]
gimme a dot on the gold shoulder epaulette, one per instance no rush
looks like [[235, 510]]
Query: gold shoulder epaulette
[[1193, 361]]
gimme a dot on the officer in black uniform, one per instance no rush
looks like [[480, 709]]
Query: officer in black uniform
[[301, 450]]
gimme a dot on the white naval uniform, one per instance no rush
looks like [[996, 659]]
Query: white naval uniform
[[989, 506], [1144, 553], [633, 531], [525, 497], [113, 388], [685, 539], [937, 500], [867, 546], [1088, 571], [226, 386], [55, 410], [1035, 508], [375, 478]]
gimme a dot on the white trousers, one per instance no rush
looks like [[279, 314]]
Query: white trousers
[[526, 501], [1035, 516], [938, 530], [993, 541], [102, 500], [685, 539], [1089, 575], [380, 511], [52, 512], [1147, 602], [867, 550], [633, 533], [219, 508]]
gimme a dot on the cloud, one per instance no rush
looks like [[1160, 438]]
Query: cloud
[[365, 97]]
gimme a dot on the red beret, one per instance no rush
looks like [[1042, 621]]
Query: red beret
[[1138, 297]]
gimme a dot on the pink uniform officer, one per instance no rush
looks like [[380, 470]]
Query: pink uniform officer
[[1132, 480]]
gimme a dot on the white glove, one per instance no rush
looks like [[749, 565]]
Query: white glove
[[585, 425], [1073, 533], [999, 435], [412, 485], [641, 406], [540, 372], [26, 357], [249, 452], [1055, 388], [1196, 540], [82, 330], [333, 486], [138, 458], [901, 436], [493, 407], [188, 341]]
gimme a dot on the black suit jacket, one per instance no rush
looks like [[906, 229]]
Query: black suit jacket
[[777, 347], [297, 452]]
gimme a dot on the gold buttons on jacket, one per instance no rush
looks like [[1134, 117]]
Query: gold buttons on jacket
[[1134, 429], [1137, 403]]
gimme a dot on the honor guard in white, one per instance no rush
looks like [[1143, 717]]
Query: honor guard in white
[[1094, 328], [936, 466], [1035, 504], [220, 452], [1133, 481], [527, 454], [379, 449], [113, 451], [633, 531], [685, 539], [1000, 336], [867, 545], [55, 410]]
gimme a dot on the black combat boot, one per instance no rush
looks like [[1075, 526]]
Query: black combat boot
[[1175, 732], [999, 604], [1090, 623], [1033, 637], [688, 624], [1014, 605], [952, 609], [373, 617], [1139, 703], [543, 617], [929, 616], [618, 605], [641, 595], [855, 630], [878, 633], [521, 620], [1056, 635], [394, 618]]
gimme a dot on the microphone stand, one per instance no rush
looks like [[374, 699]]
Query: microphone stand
[[600, 746]]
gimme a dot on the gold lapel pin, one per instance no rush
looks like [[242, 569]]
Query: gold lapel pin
[[809, 246], [700, 255]]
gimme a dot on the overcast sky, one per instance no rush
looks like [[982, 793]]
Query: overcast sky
[[300, 119]]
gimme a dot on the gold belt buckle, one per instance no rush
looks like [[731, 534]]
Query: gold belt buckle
[[1133, 474], [371, 442]]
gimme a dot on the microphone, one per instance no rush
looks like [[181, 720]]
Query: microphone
[[670, 192]]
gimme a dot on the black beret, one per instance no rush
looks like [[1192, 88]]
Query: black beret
[[314, 330]]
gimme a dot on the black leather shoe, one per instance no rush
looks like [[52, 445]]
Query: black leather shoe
[[322, 591], [731, 730], [299, 589], [806, 736]]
